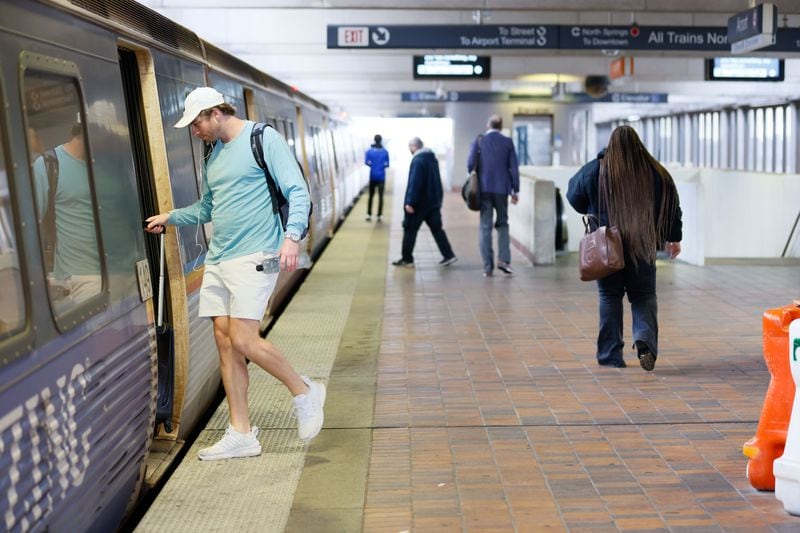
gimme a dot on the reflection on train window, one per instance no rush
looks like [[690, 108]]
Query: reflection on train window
[[12, 298], [63, 192], [290, 137]]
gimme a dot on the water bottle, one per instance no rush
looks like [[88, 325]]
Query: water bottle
[[272, 265]]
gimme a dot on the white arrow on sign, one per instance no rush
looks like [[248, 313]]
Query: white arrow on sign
[[380, 36]]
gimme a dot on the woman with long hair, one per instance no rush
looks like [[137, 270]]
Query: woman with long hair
[[626, 187]]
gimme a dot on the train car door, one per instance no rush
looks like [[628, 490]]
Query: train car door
[[129, 70]]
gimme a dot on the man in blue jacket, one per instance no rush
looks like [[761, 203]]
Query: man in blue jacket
[[377, 159], [423, 203], [494, 155]]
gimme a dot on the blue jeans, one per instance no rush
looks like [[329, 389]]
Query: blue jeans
[[641, 288], [491, 202]]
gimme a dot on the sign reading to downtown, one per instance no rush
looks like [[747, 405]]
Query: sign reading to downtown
[[547, 37]]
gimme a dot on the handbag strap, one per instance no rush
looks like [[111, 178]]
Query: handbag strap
[[603, 195]]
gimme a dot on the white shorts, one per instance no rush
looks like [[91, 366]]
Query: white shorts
[[235, 288]]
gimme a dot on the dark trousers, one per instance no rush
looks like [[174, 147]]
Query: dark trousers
[[411, 224], [641, 288], [372, 186]]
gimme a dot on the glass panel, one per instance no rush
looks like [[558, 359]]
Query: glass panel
[[759, 140], [64, 201], [769, 140], [12, 299], [779, 140], [715, 139]]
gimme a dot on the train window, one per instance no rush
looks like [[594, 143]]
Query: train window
[[12, 297], [63, 188], [290, 137]]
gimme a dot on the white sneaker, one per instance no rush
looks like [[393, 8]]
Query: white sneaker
[[308, 408], [233, 444]]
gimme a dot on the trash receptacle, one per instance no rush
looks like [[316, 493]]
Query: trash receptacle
[[770, 437]]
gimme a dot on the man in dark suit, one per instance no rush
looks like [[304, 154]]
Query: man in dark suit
[[494, 155], [423, 203]]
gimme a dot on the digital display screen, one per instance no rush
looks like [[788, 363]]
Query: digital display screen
[[447, 66], [744, 69]]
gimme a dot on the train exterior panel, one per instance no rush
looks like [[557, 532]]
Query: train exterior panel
[[77, 405], [91, 92]]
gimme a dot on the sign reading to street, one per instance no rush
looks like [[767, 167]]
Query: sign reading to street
[[549, 37], [443, 36]]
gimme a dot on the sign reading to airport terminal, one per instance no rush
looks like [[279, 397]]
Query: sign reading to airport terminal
[[548, 37], [443, 36], [448, 66]]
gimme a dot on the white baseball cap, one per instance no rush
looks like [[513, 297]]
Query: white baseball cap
[[196, 101]]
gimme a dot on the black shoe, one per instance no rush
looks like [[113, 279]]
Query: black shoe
[[505, 267], [403, 263], [613, 363], [449, 261], [646, 358]]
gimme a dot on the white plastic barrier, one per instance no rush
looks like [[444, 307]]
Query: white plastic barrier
[[787, 467], [726, 213], [532, 222]]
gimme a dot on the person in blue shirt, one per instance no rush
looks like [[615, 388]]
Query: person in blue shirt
[[494, 155], [235, 197], [377, 159], [423, 203], [76, 271]]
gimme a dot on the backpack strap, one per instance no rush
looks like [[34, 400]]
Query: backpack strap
[[51, 167], [257, 146]]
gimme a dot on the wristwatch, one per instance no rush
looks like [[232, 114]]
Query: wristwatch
[[294, 237]]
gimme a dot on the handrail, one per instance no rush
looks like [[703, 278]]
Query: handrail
[[791, 234]]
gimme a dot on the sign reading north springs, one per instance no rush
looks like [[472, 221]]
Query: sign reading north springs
[[642, 38], [444, 36]]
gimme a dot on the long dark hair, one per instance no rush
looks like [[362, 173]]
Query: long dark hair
[[627, 188]]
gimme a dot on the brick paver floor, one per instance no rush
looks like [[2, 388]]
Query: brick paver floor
[[492, 414]]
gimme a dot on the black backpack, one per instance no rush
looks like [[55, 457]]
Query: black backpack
[[280, 205]]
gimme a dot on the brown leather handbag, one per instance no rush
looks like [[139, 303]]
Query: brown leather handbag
[[600, 251]]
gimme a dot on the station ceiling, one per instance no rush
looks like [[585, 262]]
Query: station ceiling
[[289, 40]]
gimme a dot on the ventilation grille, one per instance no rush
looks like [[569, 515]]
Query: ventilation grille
[[141, 19]]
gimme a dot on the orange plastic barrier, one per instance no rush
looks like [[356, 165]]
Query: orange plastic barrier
[[770, 437]]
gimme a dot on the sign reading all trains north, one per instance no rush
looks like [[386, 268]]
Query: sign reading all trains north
[[547, 37]]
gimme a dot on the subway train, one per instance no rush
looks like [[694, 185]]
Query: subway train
[[91, 90]]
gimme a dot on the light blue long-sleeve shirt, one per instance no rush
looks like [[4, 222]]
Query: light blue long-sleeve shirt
[[235, 197], [76, 250]]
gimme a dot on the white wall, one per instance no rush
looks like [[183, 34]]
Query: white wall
[[726, 213]]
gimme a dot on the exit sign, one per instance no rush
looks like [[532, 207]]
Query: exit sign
[[350, 36]]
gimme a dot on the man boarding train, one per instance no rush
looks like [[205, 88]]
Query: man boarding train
[[235, 197]]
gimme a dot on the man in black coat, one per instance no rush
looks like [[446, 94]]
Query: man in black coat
[[423, 203]]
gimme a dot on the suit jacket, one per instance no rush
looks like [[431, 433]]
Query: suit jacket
[[498, 167]]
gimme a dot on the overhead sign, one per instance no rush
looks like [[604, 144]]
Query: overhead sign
[[744, 69], [621, 67], [642, 38], [569, 98], [442, 36], [448, 66], [758, 22], [548, 37]]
